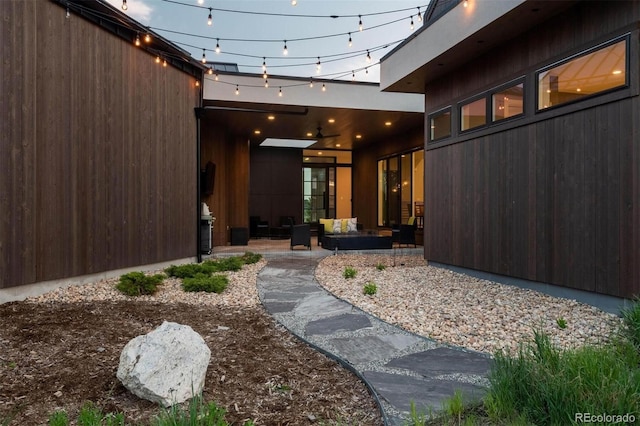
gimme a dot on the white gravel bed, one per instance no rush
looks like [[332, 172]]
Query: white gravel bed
[[241, 291], [458, 309]]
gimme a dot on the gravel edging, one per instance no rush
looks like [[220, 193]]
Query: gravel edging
[[460, 310]]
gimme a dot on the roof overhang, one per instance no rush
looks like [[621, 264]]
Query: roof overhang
[[350, 114], [458, 36]]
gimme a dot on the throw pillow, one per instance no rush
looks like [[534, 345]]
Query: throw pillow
[[328, 225], [337, 226], [343, 225], [352, 224]]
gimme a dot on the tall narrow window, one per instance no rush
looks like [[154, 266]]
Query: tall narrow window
[[440, 123], [507, 102], [586, 75], [473, 114]]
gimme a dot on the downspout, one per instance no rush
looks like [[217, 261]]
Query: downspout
[[199, 111]]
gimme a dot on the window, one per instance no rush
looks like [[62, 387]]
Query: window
[[507, 103], [586, 75], [441, 125], [473, 114], [400, 187]]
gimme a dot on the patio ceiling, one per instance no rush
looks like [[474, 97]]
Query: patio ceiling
[[350, 115]]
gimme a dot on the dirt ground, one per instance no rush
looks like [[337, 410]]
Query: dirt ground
[[58, 356]]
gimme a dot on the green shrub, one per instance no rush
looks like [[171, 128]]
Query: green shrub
[[188, 270], [545, 385], [631, 323], [90, 415], [370, 288], [137, 283], [58, 418], [233, 263], [380, 267], [562, 323], [249, 258], [197, 414], [349, 272], [216, 283]]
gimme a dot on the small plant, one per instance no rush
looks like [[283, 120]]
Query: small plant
[[249, 258], [454, 406], [90, 415], [380, 267], [187, 270], [137, 283], [216, 283], [198, 413], [562, 323], [58, 418], [416, 418], [370, 288], [631, 323], [233, 263], [349, 272]]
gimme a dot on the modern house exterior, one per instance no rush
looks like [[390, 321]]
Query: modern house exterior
[[532, 148]]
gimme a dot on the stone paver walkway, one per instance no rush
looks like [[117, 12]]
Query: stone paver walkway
[[399, 367]]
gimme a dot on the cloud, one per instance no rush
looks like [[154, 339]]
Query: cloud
[[138, 10]]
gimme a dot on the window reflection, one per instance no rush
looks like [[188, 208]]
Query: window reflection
[[441, 125], [473, 114], [507, 103]]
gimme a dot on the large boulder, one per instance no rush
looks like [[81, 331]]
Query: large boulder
[[166, 366]]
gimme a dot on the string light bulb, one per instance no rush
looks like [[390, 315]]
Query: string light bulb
[[217, 76], [350, 41], [294, 2], [264, 75], [68, 12], [137, 42], [353, 75], [210, 18], [280, 92], [318, 65], [210, 71], [197, 83], [157, 59], [164, 63], [266, 83], [324, 88], [466, 3], [124, 5], [264, 64], [366, 70], [237, 90], [285, 51], [147, 38], [368, 56], [411, 24], [311, 82], [218, 46], [200, 1], [204, 57], [360, 23], [419, 15]]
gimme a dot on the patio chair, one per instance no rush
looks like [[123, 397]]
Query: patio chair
[[301, 235]]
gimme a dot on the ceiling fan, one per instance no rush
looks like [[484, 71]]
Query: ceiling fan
[[319, 135]]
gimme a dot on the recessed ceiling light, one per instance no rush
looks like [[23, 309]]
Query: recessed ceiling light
[[271, 117], [616, 72], [319, 152], [358, 136], [332, 120], [257, 132], [306, 158], [387, 123], [337, 145], [309, 134]]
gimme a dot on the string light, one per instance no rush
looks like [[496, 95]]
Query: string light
[[266, 83], [164, 63], [280, 92], [318, 65], [466, 3], [353, 75], [157, 59], [360, 23], [237, 90], [147, 38], [210, 18], [366, 70], [197, 83], [264, 64], [324, 88], [311, 82], [124, 5], [294, 2], [217, 46], [264, 75], [68, 12], [350, 41], [285, 51], [216, 76], [419, 15], [210, 71], [204, 57], [200, 1], [137, 40], [368, 56], [411, 25]]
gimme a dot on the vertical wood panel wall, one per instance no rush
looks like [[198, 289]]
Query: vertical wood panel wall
[[97, 153], [556, 199]]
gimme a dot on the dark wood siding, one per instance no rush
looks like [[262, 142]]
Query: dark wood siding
[[551, 197], [98, 152]]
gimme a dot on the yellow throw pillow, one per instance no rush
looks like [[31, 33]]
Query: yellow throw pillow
[[328, 225], [343, 225]]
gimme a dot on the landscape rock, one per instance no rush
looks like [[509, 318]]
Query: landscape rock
[[166, 366]]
